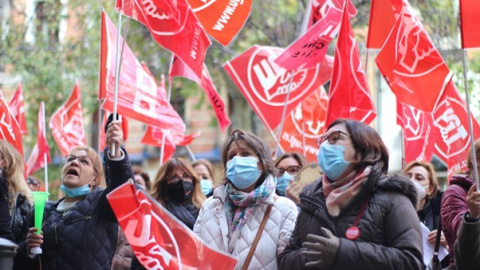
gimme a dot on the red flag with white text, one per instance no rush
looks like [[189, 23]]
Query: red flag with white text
[[137, 89], [469, 23], [349, 95], [265, 85], [411, 65], [179, 69], [305, 124], [158, 239], [67, 123], [381, 22], [41, 149], [9, 129], [222, 19], [17, 106], [171, 23]]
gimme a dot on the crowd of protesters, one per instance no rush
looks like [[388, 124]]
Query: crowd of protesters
[[354, 216]]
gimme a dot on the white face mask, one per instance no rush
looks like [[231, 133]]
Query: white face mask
[[420, 192]]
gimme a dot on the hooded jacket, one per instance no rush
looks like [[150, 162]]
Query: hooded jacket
[[390, 235]]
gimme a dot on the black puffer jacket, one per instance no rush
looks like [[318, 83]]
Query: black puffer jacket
[[21, 215], [85, 237], [390, 236]]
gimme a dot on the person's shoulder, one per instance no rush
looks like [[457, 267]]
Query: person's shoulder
[[396, 187], [284, 204]]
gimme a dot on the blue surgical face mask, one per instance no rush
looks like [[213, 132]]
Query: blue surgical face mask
[[330, 159], [75, 192], [283, 182], [243, 171], [207, 186]]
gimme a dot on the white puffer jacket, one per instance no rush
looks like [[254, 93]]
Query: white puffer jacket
[[212, 228]]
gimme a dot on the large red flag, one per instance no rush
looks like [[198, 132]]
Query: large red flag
[[305, 124], [265, 85], [67, 123], [9, 128], [381, 22], [222, 19], [41, 149], [321, 7], [419, 133], [412, 65], [349, 96], [137, 89], [453, 140], [157, 238], [171, 23], [17, 106], [179, 69], [470, 23]]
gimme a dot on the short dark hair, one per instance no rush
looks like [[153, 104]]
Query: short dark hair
[[137, 170], [367, 143]]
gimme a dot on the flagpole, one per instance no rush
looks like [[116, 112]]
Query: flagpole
[[402, 144], [169, 93], [303, 137], [45, 159], [470, 124], [99, 129], [190, 152], [280, 127]]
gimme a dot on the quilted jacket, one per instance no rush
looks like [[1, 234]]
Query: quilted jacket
[[212, 228]]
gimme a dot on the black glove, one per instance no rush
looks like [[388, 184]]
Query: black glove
[[321, 250]]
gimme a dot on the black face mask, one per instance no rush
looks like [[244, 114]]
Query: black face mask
[[180, 191]]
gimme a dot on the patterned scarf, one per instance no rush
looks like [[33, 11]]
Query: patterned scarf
[[239, 205]]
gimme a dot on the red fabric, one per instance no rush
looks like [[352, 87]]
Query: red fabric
[[153, 136], [349, 96], [321, 7], [469, 23], [222, 19], [306, 121], [17, 107], [171, 23], [9, 128], [265, 85], [137, 89], [179, 69], [67, 123], [412, 65], [381, 22], [36, 160]]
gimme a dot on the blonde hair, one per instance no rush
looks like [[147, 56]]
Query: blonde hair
[[97, 164], [432, 176], [207, 165], [14, 172], [159, 186]]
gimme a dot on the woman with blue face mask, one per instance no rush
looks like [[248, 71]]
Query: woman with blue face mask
[[355, 216], [230, 219], [204, 170], [288, 165]]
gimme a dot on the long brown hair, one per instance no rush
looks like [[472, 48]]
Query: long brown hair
[[432, 176], [159, 186]]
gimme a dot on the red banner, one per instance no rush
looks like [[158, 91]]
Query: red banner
[[349, 96], [36, 160], [412, 65], [453, 140], [171, 23], [381, 22], [305, 124], [67, 123], [265, 85], [9, 128], [321, 7], [179, 69], [222, 19], [469, 23], [17, 107], [157, 238], [137, 89]]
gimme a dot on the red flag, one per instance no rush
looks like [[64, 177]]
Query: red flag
[[419, 133], [137, 90], [67, 123], [17, 107], [36, 160], [9, 128], [469, 23], [381, 22], [349, 96], [451, 120], [157, 238], [222, 19], [305, 124], [179, 69], [412, 65], [265, 85], [124, 126], [172, 23], [321, 7]]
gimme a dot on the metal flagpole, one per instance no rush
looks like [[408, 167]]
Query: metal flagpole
[[280, 127], [470, 124], [169, 93], [190, 152]]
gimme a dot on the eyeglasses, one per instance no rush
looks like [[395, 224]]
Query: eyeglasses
[[292, 170], [175, 178], [332, 138], [33, 182]]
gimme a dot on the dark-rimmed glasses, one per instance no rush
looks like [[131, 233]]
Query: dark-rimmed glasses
[[175, 178], [332, 138], [292, 170]]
